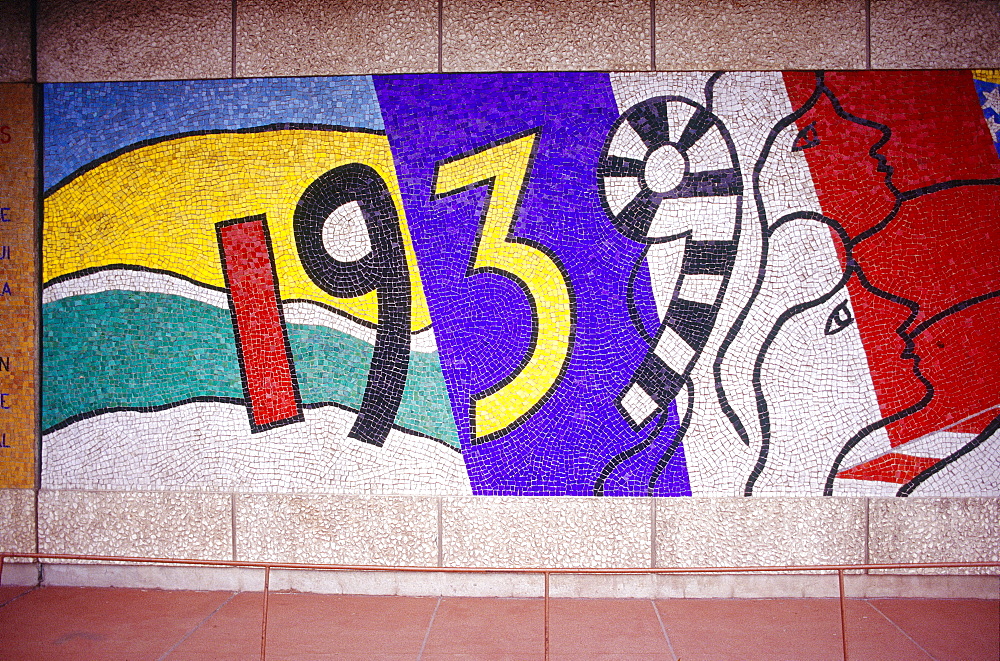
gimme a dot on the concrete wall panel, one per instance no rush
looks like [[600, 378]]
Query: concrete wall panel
[[545, 532], [730, 532], [936, 530], [481, 35], [760, 34], [297, 38], [15, 41], [17, 520], [151, 524], [84, 40], [352, 530], [941, 34]]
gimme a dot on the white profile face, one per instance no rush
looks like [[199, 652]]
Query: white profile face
[[819, 394], [796, 375]]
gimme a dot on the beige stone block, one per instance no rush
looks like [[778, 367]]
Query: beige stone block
[[15, 41], [299, 38], [482, 531], [894, 586], [188, 525], [760, 34], [746, 586], [541, 35], [935, 530], [156, 577], [935, 34], [86, 40], [743, 532], [17, 520], [410, 584], [332, 529]]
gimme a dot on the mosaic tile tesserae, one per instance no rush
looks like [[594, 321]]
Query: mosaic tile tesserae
[[597, 284]]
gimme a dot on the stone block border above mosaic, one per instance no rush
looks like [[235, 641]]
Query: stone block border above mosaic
[[117, 40], [524, 284]]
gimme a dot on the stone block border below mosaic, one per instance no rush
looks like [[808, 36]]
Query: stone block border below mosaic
[[505, 531]]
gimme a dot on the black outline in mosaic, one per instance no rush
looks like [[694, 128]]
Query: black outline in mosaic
[[737, 326], [852, 268], [919, 479], [299, 416], [628, 453], [384, 269], [806, 138], [839, 319], [65, 277], [668, 454], [633, 311], [958, 307], [86, 415], [710, 89], [471, 271]]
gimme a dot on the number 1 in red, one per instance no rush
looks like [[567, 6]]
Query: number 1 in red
[[269, 383]]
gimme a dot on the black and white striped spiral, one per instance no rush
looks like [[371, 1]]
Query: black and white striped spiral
[[669, 177]]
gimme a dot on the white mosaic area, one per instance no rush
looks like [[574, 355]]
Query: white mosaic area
[[208, 446]]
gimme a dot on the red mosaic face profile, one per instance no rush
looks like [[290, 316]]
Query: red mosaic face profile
[[910, 174]]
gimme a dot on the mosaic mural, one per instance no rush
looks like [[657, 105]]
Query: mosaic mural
[[541, 283]]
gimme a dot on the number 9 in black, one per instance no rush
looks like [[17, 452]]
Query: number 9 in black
[[373, 260]]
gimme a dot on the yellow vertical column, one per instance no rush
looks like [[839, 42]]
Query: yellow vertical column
[[18, 291]]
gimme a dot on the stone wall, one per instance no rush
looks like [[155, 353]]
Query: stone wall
[[98, 41]]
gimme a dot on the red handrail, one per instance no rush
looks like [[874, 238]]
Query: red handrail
[[546, 572]]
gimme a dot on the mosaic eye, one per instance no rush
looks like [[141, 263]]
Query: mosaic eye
[[806, 138], [839, 319]]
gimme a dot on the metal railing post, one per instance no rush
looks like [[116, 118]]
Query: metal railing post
[[546, 616], [843, 612], [263, 625]]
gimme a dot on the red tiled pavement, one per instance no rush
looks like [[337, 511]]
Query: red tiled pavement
[[9, 593], [801, 629], [947, 628], [101, 623], [738, 629], [108, 624], [606, 629], [487, 629]]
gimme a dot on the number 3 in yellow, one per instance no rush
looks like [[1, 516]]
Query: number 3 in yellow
[[505, 167]]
